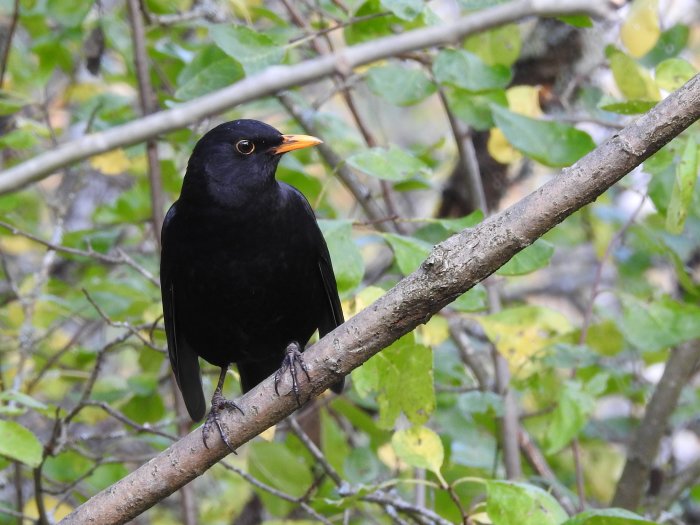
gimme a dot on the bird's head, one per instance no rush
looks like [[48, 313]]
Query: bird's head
[[239, 155]]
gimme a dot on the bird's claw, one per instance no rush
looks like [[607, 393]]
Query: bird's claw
[[218, 404], [292, 358]]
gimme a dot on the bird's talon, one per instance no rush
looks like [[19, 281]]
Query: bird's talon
[[218, 404], [292, 358]]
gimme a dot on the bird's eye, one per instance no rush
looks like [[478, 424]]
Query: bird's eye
[[245, 146]]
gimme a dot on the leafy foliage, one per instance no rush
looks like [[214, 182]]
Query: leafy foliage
[[584, 318]]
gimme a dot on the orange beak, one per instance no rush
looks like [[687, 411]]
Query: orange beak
[[292, 142]]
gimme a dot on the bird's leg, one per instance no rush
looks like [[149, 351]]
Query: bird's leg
[[292, 358], [219, 403]]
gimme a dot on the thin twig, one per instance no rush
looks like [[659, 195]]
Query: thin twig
[[121, 324], [272, 490], [129, 422], [121, 258], [148, 106], [315, 452], [8, 41]]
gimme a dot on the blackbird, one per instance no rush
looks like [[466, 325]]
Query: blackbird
[[245, 272]]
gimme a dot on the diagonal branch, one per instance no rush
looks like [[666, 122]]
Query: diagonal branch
[[453, 267], [277, 78], [644, 447]]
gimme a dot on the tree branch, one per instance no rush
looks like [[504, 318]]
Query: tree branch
[[645, 443], [276, 78], [453, 267]]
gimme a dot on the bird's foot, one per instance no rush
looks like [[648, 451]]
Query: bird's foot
[[292, 358], [218, 404]]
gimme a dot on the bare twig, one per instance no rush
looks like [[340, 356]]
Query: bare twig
[[278, 493], [148, 106], [315, 452], [539, 464], [148, 429], [644, 445], [121, 257], [8, 41], [674, 487], [467, 158]]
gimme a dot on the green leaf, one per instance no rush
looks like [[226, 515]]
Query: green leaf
[[20, 443], [475, 108], [576, 20], [605, 338], [334, 442], [551, 143], [683, 188], [673, 73], [392, 164], [19, 139], [20, 398], [467, 71], [404, 9], [420, 447], [144, 409], [70, 14], [511, 503], [532, 258], [574, 407], [400, 85], [409, 252], [670, 44], [462, 223], [473, 300], [500, 45], [255, 51], [371, 27], [401, 376], [348, 265], [630, 107], [209, 70], [361, 465], [10, 104], [634, 83], [276, 465], [660, 324], [608, 517]]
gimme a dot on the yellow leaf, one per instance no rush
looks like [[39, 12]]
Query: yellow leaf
[[520, 333], [500, 149], [366, 297], [15, 244], [54, 507], [269, 434], [111, 163], [419, 447], [524, 100], [434, 331], [640, 31], [387, 455], [83, 92]]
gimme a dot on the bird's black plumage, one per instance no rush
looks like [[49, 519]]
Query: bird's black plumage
[[245, 270]]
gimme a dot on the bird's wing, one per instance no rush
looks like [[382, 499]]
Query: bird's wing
[[183, 358], [332, 313]]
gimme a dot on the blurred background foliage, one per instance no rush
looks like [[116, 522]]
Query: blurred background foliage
[[585, 318]]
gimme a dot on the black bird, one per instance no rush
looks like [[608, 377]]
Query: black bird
[[245, 272]]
